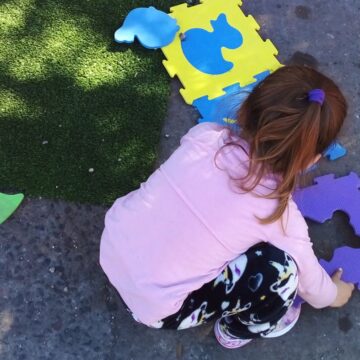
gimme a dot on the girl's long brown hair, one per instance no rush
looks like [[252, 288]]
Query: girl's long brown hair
[[286, 131]]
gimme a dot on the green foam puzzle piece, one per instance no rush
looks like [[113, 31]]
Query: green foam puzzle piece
[[8, 204]]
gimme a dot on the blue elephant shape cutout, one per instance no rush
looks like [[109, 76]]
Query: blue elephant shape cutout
[[203, 48], [153, 28]]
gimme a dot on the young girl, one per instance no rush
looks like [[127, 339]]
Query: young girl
[[214, 233]]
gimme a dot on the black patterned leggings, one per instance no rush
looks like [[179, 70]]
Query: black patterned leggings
[[250, 296]]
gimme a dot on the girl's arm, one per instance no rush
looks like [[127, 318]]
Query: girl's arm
[[344, 290], [315, 286]]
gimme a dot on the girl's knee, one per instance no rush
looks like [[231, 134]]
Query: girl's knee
[[279, 266]]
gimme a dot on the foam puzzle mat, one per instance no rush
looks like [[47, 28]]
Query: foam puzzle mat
[[217, 46]]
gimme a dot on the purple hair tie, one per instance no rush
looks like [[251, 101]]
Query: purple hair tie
[[317, 95]]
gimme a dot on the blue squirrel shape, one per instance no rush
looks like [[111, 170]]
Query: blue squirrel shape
[[152, 27], [203, 48]]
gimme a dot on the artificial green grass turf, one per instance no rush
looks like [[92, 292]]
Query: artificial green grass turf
[[72, 100]]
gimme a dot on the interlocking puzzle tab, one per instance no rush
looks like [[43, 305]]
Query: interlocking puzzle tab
[[318, 202], [222, 109], [246, 55]]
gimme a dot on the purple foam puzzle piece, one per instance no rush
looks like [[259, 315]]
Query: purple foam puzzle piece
[[329, 194], [346, 258]]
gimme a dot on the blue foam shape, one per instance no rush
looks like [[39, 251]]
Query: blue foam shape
[[153, 28], [203, 48], [223, 109], [335, 151]]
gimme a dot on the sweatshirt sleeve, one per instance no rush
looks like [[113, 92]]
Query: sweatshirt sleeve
[[315, 285]]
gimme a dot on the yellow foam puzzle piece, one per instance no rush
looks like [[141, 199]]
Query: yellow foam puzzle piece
[[253, 57]]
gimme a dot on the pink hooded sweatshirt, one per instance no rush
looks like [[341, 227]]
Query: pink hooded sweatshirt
[[182, 227]]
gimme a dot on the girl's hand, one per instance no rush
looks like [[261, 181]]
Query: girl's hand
[[344, 289]]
